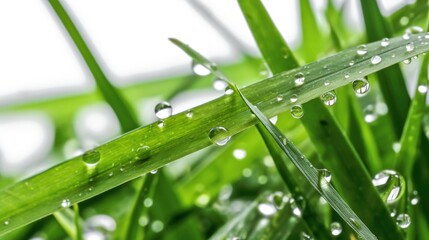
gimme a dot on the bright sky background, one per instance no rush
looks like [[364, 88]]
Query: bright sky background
[[129, 39]]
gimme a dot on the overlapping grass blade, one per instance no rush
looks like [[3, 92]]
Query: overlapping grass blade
[[70, 180], [315, 176], [67, 219], [323, 128]]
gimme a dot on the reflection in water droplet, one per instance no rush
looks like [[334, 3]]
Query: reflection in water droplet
[[375, 60], [360, 86], [299, 79], [297, 111], [329, 98], [385, 42], [91, 157], [65, 203], [324, 176], [336, 228], [199, 69], [163, 110], [390, 185], [214, 134], [409, 47], [403, 220], [219, 84], [362, 50]]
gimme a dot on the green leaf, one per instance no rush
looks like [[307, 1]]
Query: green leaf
[[180, 135], [68, 219], [315, 176]]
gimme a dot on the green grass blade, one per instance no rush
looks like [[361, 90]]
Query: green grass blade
[[77, 222], [112, 96], [392, 83], [66, 218], [313, 175], [181, 135], [411, 135]]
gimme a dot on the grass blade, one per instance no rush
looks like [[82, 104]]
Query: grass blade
[[70, 180], [68, 219], [313, 175]]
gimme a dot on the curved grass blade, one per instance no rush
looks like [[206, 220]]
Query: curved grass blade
[[180, 135], [313, 175], [70, 222]]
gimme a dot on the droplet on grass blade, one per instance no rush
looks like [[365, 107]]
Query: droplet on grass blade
[[219, 84], [91, 157], [163, 110], [360, 86], [293, 98], [409, 47], [375, 60], [199, 69], [297, 111], [142, 152], [362, 50], [329, 98], [390, 185], [403, 220], [385, 42], [299, 79], [65, 203], [214, 136], [336, 228]]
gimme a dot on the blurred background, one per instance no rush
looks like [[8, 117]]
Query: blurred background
[[47, 92]]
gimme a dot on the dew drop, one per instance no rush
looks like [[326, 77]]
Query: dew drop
[[329, 98], [423, 89], [295, 208], [219, 84], [199, 69], [142, 152], [390, 185], [279, 98], [360, 86], [385, 42], [299, 79], [65, 203], [406, 36], [346, 76], [327, 83], [407, 61], [278, 199], [362, 50], [154, 171], [297, 111], [267, 209], [414, 198], [375, 60], [409, 47], [404, 20], [189, 114], [305, 236], [403, 220], [427, 35], [163, 110], [336, 228], [324, 174], [229, 91], [293, 98], [355, 223], [274, 119], [91, 157], [160, 123], [396, 147], [6, 222], [393, 213], [351, 63], [214, 134]]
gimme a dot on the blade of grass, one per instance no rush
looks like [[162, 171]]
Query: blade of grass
[[67, 219], [322, 128], [77, 222], [313, 175], [181, 135]]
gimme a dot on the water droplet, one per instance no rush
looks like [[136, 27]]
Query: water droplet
[[329, 98], [199, 69], [427, 35], [305, 236], [336, 228], [110, 174], [360, 86], [403, 220], [247, 172], [390, 185], [423, 89], [409, 47], [278, 199], [142, 152], [355, 223], [296, 205], [369, 114], [299, 79], [362, 50], [239, 153], [293, 98], [414, 30], [393, 213], [414, 198], [274, 119], [160, 124], [326, 83], [407, 61], [324, 175], [385, 42], [229, 91], [214, 134], [351, 63], [406, 36], [346, 76], [6, 222], [148, 202], [396, 147], [91, 157], [375, 60], [65, 203], [189, 114], [279, 98], [267, 209], [157, 226], [404, 20], [154, 171], [163, 110], [220, 84], [297, 111]]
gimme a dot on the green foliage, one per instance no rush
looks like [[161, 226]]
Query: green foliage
[[243, 189]]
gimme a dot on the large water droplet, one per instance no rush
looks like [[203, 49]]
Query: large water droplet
[[329, 98], [91, 157], [199, 69], [390, 185], [409, 47], [214, 134], [336, 228], [362, 50], [403, 220], [297, 111], [142, 152], [65, 203], [324, 178], [163, 110], [385, 42], [360, 86], [299, 79], [375, 60], [219, 84]]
